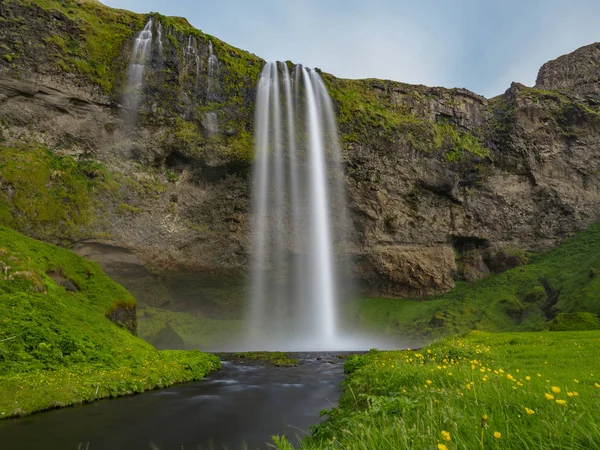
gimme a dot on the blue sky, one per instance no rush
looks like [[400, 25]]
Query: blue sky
[[481, 45]]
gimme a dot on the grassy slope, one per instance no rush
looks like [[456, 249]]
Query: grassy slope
[[471, 387], [58, 348], [511, 301]]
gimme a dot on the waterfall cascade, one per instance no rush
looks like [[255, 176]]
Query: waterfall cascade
[[298, 216], [213, 72], [142, 45]]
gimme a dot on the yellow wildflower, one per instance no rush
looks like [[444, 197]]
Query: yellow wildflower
[[528, 378], [529, 411], [446, 435], [556, 389], [561, 402], [429, 381], [575, 380], [442, 447], [549, 396], [597, 385], [575, 394], [497, 435], [570, 394]]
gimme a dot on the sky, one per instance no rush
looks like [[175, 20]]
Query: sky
[[481, 45]]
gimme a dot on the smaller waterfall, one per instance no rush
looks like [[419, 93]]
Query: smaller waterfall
[[189, 51], [213, 72], [159, 38], [140, 55]]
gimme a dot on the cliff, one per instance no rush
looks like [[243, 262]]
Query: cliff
[[444, 184]]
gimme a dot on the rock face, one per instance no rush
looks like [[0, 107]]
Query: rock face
[[443, 183], [576, 73]]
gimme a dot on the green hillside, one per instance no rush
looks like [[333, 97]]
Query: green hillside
[[557, 290], [58, 345]]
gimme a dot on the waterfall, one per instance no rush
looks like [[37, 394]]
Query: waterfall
[[159, 39], [213, 72], [298, 214], [142, 45]]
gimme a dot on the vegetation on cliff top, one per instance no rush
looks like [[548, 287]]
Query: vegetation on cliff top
[[492, 391], [541, 295], [57, 345]]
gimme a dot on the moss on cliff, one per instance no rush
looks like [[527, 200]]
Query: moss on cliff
[[89, 43], [57, 347], [60, 199]]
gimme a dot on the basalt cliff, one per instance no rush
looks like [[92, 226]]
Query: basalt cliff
[[443, 184]]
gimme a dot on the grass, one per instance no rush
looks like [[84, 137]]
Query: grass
[[515, 300], [277, 359], [58, 347], [478, 391], [195, 332]]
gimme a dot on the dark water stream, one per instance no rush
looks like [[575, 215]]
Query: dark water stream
[[239, 406]]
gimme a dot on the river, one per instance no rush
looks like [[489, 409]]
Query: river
[[238, 407]]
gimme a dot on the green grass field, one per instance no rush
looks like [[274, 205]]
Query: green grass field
[[58, 347], [479, 391]]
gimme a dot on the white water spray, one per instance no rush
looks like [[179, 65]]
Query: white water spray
[[142, 45], [299, 214]]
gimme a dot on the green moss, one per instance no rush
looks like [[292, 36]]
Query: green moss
[[277, 359], [57, 347], [94, 50], [457, 146], [575, 322]]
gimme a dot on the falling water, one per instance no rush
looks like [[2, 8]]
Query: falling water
[[159, 38], [139, 57], [213, 72], [298, 214], [190, 51]]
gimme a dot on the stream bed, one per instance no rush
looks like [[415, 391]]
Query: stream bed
[[237, 407]]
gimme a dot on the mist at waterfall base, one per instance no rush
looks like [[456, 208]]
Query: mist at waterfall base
[[300, 269]]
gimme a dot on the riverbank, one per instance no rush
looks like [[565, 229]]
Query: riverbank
[[482, 390], [67, 333], [240, 406]]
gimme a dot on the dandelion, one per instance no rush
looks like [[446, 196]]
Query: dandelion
[[528, 378], [575, 394], [442, 447], [549, 396], [575, 380], [570, 394], [529, 411], [597, 385], [429, 381], [556, 389], [561, 402], [446, 435], [497, 435]]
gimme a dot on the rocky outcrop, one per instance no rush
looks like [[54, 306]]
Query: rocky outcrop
[[576, 73], [443, 183]]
